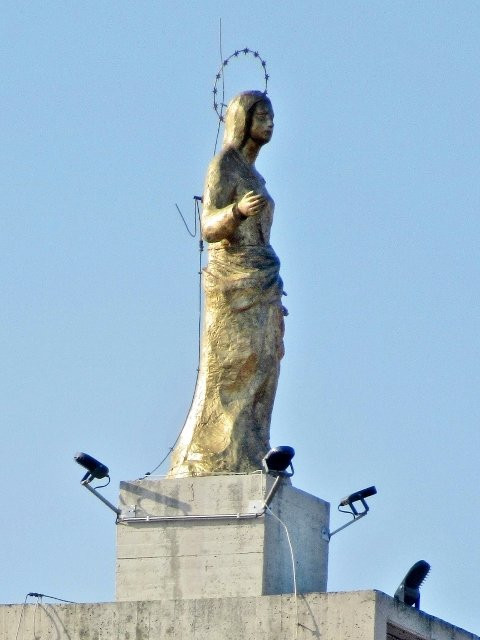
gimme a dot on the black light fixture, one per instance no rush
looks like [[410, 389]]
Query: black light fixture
[[408, 591], [277, 461], [349, 501], [95, 469], [358, 496]]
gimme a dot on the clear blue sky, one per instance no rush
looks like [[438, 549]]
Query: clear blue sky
[[374, 165]]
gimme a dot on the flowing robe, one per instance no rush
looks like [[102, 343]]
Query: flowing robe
[[228, 426]]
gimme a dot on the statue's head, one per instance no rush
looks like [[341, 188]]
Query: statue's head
[[240, 115]]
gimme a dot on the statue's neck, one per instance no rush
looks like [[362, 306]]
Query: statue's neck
[[249, 151]]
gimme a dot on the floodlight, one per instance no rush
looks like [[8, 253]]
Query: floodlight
[[348, 501], [408, 591], [358, 496], [95, 469], [276, 463], [278, 460]]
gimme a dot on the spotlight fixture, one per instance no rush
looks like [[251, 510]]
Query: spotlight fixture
[[348, 501], [358, 496], [277, 461], [408, 591], [95, 469]]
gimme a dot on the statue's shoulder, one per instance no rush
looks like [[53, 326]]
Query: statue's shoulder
[[225, 163]]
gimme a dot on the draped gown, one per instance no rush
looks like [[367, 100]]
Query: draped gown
[[228, 426]]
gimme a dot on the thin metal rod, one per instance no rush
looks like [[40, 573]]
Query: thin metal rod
[[184, 518], [361, 515], [214, 516], [100, 497], [272, 492]]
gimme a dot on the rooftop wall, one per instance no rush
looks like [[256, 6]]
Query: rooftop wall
[[359, 615]]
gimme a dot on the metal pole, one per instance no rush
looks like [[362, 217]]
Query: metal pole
[[100, 497], [347, 525]]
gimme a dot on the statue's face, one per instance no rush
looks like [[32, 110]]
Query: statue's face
[[262, 123]]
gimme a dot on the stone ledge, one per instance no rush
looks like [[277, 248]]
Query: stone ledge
[[358, 615]]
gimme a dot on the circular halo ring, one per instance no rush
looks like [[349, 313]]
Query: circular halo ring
[[218, 106]]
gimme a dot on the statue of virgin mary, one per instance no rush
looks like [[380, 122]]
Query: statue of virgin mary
[[228, 426]]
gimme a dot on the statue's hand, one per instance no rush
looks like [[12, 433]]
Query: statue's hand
[[251, 204]]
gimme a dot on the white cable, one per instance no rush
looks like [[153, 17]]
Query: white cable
[[21, 616], [35, 614], [293, 567]]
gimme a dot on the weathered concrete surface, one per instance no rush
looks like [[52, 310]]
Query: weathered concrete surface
[[219, 557], [360, 615]]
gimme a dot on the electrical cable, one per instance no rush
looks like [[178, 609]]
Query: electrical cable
[[194, 233], [39, 596], [350, 513], [103, 485], [21, 615], [44, 595], [220, 119], [200, 271], [293, 567], [35, 616], [197, 200], [221, 62]]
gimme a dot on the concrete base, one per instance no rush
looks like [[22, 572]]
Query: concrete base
[[208, 537], [358, 615]]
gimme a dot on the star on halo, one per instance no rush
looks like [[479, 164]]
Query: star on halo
[[219, 106]]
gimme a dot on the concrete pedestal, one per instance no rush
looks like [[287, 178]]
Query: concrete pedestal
[[209, 537]]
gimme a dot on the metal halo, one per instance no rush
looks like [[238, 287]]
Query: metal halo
[[218, 106]]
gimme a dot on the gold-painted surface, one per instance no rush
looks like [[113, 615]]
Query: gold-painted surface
[[228, 426]]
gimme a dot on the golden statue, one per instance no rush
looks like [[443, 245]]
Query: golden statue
[[228, 426]]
